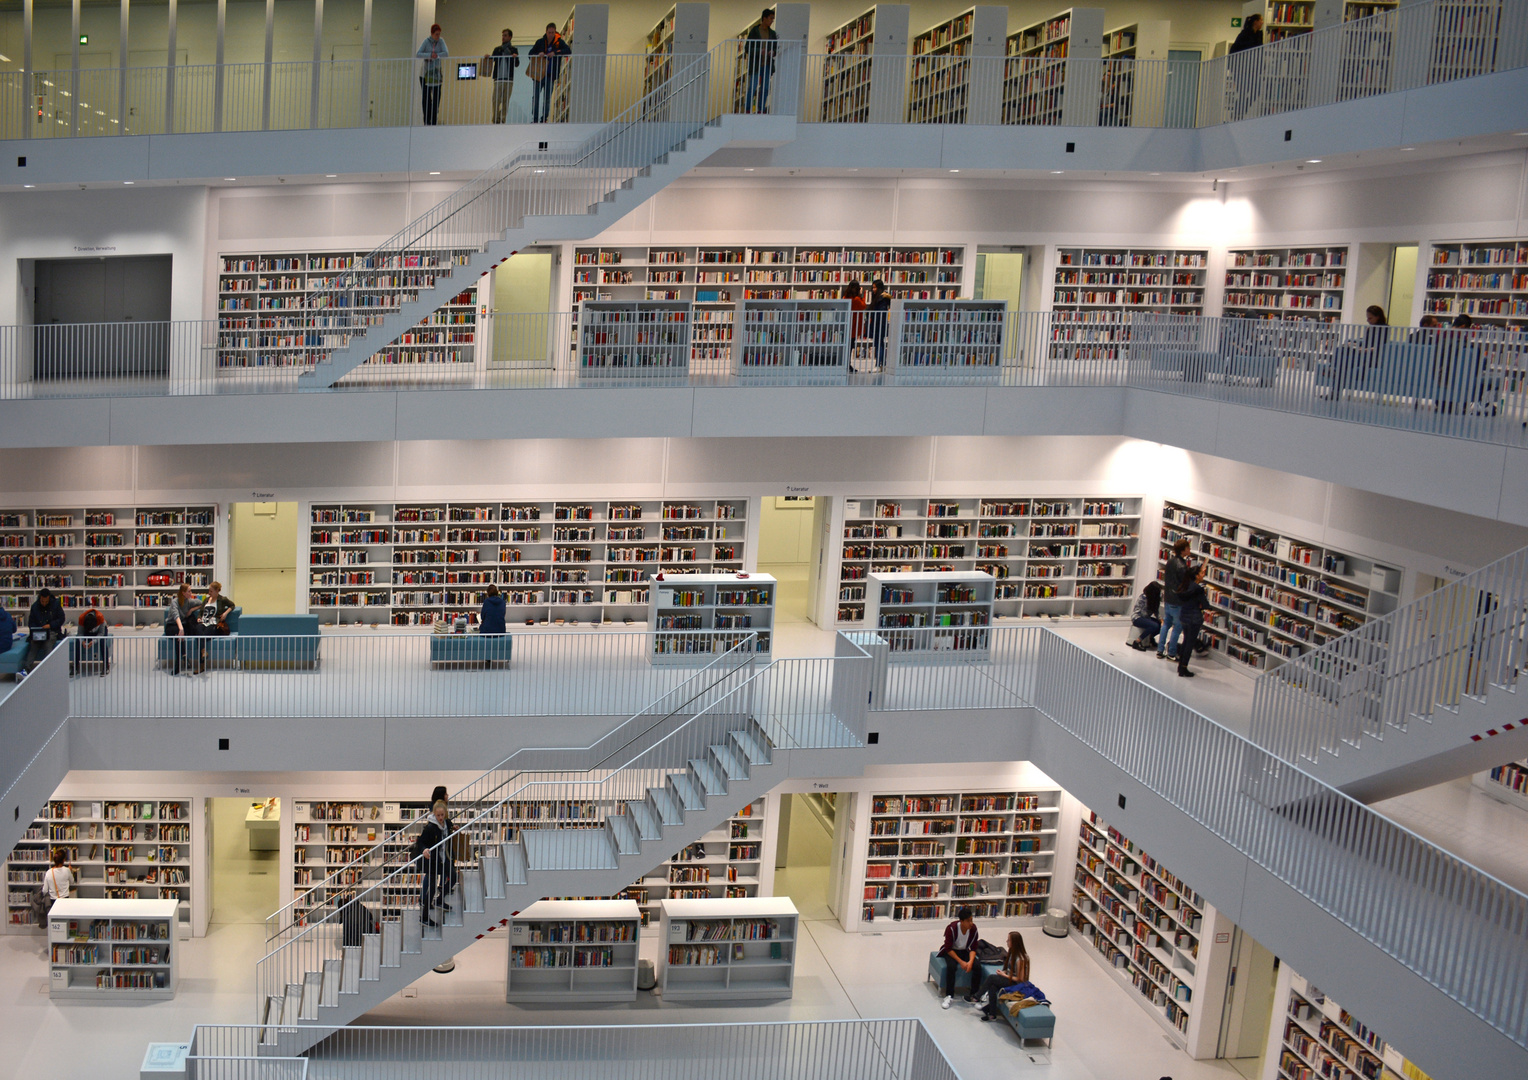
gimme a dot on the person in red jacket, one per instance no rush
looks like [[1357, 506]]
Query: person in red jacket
[[959, 952]]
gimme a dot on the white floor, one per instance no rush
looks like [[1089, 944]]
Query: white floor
[[1461, 818]]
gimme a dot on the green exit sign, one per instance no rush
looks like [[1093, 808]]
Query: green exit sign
[[1236, 22]]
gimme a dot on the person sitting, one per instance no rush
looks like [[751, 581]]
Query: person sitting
[[959, 952], [1145, 616], [1015, 970], [491, 617], [45, 625]]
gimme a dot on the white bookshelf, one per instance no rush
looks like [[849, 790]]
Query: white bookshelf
[[1146, 39], [932, 611], [329, 834], [943, 87], [1307, 283], [1120, 105], [1054, 557], [105, 557], [863, 77], [1097, 289], [1147, 927], [1311, 1035], [558, 562], [770, 337], [577, 950], [112, 950], [958, 337], [695, 617], [727, 950], [1486, 280], [1276, 595], [634, 337], [118, 849], [1039, 87], [931, 853], [683, 31], [262, 322], [725, 863], [1507, 783]]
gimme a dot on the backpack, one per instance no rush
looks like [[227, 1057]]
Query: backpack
[[40, 904], [988, 953]]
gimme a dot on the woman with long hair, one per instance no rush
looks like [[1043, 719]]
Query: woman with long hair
[[1015, 970]]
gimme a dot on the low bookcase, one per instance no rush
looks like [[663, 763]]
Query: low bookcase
[[695, 617], [929, 611], [725, 950], [584, 950], [112, 950]]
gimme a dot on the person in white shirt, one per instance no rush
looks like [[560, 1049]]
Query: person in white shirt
[[58, 882]]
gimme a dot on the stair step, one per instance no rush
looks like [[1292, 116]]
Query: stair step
[[411, 936], [686, 791], [645, 819], [454, 916], [431, 933], [669, 810], [731, 762], [749, 747], [624, 830], [514, 863], [350, 969], [371, 957], [569, 849], [493, 875], [329, 991], [472, 890], [291, 1007], [392, 943], [312, 987], [708, 777], [273, 1006]]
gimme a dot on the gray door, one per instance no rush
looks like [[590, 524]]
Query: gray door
[[102, 317], [1182, 88]]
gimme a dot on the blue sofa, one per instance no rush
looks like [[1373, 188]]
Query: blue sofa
[[14, 657], [936, 966], [277, 642], [1198, 365], [1396, 368], [470, 650], [221, 651], [1035, 1022]]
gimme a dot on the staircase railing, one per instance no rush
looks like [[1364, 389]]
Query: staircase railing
[[691, 694], [551, 790], [1425, 656]]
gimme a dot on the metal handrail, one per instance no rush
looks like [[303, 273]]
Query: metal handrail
[[745, 648]]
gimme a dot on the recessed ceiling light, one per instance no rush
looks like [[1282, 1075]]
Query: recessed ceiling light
[[1313, 161], [129, 183], [1408, 148], [954, 170], [748, 170], [230, 178], [28, 185], [1056, 172], [330, 175], [435, 174]]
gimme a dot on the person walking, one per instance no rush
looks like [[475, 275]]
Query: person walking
[[435, 864], [1193, 603], [550, 49], [1015, 970], [760, 47], [502, 63], [45, 625], [432, 51], [1174, 577], [880, 313]]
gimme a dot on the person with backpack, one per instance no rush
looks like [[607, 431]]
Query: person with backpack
[[544, 67], [760, 46], [1173, 575], [501, 64], [432, 51]]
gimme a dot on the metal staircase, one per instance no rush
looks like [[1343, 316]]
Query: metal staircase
[[541, 192], [545, 822], [1420, 696]]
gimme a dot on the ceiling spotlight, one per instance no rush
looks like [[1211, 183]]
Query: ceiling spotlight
[[1313, 161], [330, 175], [748, 170], [435, 174], [1408, 148], [28, 185], [129, 183], [1056, 172], [230, 178], [954, 170]]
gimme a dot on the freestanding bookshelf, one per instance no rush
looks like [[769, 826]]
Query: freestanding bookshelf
[[578, 95], [576, 950], [680, 36], [695, 617], [930, 853], [1486, 280], [125, 561], [727, 950], [771, 337], [1130, 101], [112, 950], [864, 75], [119, 849], [1057, 557], [944, 86], [1507, 783], [933, 337], [1039, 87], [932, 611], [1294, 284], [725, 863], [627, 338], [1277, 595], [1096, 291]]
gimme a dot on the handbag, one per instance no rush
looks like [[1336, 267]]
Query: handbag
[[535, 69]]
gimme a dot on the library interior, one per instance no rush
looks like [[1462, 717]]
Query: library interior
[[908, 542]]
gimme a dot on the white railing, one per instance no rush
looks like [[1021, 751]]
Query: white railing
[[1426, 656], [892, 1049]]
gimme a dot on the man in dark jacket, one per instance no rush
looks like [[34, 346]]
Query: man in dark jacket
[[1173, 577], [436, 868], [1194, 606], [760, 47], [880, 313], [1246, 72], [491, 618], [553, 49], [500, 65], [959, 952], [47, 616]]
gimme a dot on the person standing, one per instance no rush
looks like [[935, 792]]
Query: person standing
[[551, 49], [959, 952], [179, 624], [432, 51], [45, 625], [1193, 603], [761, 46], [1246, 72], [1174, 577], [435, 861], [1015, 970], [880, 313], [491, 618], [502, 62]]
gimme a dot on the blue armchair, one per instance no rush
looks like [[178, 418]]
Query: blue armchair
[[14, 657]]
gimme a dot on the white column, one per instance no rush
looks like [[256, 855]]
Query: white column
[[364, 105], [318, 59], [26, 69], [270, 45], [121, 68], [217, 76], [169, 77], [74, 67]]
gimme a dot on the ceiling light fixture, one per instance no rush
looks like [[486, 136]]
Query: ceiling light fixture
[[28, 185], [330, 175], [1313, 161], [230, 178], [129, 183], [1056, 172], [435, 174], [954, 170]]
